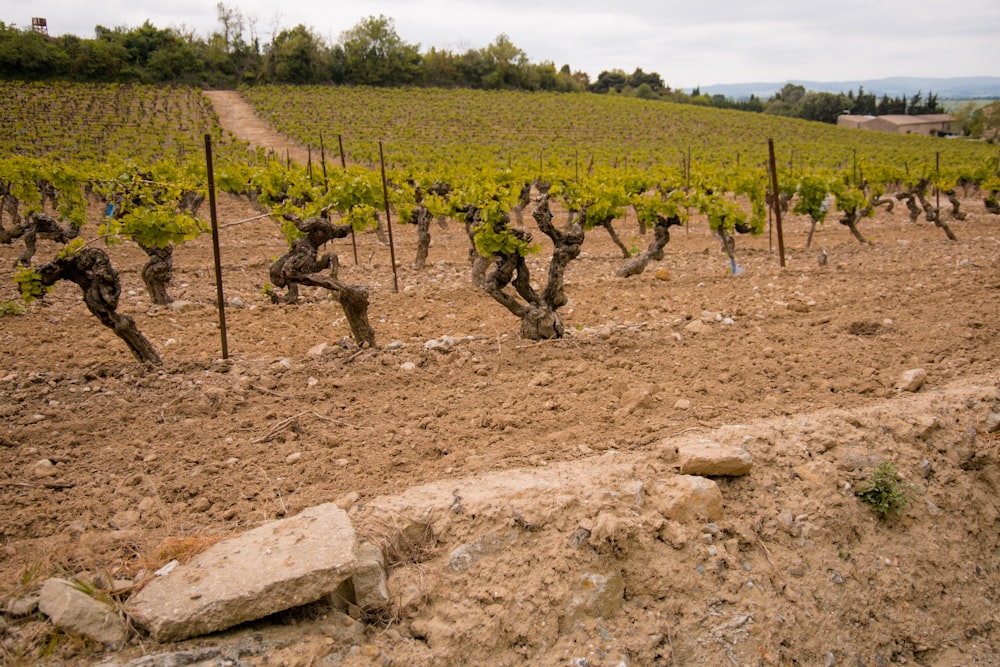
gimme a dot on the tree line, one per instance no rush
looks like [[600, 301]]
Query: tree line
[[371, 53]]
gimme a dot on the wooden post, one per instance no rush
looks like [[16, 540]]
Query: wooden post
[[215, 246], [343, 163], [774, 202], [388, 220], [937, 189], [322, 161]]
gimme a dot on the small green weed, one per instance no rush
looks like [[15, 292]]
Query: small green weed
[[11, 309], [885, 492]]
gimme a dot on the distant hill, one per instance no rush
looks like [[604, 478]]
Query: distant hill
[[962, 87]]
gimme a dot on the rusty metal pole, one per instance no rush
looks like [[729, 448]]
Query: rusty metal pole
[[775, 202], [215, 246], [388, 221]]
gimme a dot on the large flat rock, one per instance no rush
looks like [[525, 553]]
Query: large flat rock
[[275, 567]]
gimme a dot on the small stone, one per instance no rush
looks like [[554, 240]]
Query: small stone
[[407, 366], [346, 502], [443, 344], [662, 274], [44, 468], [992, 423], [395, 345], [912, 380], [293, 457], [682, 404], [75, 611], [594, 595], [18, 607], [181, 306], [696, 327], [317, 350], [710, 459], [543, 379], [200, 504]]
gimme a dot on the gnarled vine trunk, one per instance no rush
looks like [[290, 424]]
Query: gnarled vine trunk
[[477, 262], [9, 204], [539, 319], [955, 205], [850, 220], [606, 223], [301, 266], [992, 203], [91, 269], [157, 272], [422, 219], [37, 225], [661, 237], [352, 298]]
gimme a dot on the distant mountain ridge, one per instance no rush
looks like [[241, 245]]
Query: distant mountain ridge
[[961, 87]]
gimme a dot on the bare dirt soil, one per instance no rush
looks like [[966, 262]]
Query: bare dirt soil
[[102, 460]]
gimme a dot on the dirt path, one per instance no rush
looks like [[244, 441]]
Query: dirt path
[[238, 117]]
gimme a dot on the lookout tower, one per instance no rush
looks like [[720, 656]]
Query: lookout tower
[[40, 25]]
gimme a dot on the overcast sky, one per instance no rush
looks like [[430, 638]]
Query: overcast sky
[[688, 43]]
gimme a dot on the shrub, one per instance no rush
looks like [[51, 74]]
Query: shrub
[[10, 309], [885, 492]]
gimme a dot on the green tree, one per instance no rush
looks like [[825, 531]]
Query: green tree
[[298, 56], [785, 101], [30, 55], [652, 79], [822, 107], [505, 64], [607, 81], [375, 55], [646, 92]]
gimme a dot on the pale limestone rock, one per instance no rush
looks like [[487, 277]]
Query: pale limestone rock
[[685, 498], [594, 595], [18, 607], [912, 380], [696, 327], [635, 398], [367, 588], [282, 564], [710, 459], [44, 468], [369, 579], [181, 306], [68, 607], [317, 350]]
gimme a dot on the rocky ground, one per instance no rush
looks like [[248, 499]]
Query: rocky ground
[[545, 463]]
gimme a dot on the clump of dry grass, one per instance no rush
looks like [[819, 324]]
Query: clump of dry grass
[[405, 542]]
